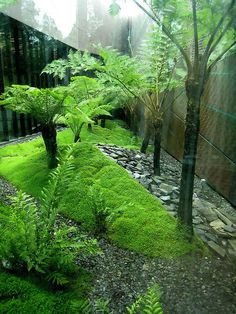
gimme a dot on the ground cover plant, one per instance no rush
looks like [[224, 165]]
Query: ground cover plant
[[135, 219], [26, 294]]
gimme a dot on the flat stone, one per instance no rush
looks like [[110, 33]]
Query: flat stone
[[217, 224], [171, 207], [212, 237], [172, 213], [197, 220], [139, 167], [206, 209], [232, 253], [146, 174], [154, 188], [166, 187], [232, 244], [203, 227], [157, 179], [136, 175], [165, 198], [219, 250], [225, 219], [199, 231], [163, 191], [229, 228]]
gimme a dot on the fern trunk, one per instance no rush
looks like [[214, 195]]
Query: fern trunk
[[103, 123], [146, 139], [157, 148], [194, 92], [49, 135]]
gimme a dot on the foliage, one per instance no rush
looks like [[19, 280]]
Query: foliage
[[45, 105], [99, 209], [149, 303], [5, 3], [76, 62], [84, 113], [30, 238]]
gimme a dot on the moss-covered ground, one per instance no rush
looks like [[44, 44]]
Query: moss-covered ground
[[136, 220]]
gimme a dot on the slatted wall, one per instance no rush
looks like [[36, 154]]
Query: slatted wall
[[24, 52], [216, 159]]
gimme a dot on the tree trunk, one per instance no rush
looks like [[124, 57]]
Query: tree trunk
[[145, 142], [90, 129], [157, 148], [147, 136], [189, 156], [77, 137], [103, 123], [49, 135]]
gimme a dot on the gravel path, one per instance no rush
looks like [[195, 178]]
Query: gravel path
[[191, 285]]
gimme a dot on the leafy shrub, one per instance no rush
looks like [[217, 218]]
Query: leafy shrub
[[99, 209], [148, 303], [30, 238]]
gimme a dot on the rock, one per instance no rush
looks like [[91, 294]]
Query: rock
[[223, 217], [157, 179], [144, 182], [172, 213], [232, 244], [197, 220], [139, 166], [219, 250], [166, 187], [199, 231], [165, 198], [171, 207], [232, 253], [217, 224], [136, 175], [154, 188], [212, 237], [145, 267], [203, 227], [163, 191], [229, 228], [146, 174], [206, 209]]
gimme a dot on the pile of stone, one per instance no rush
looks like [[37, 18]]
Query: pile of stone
[[215, 224]]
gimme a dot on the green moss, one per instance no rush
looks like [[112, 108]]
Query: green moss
[[137, 220], [29, 295]]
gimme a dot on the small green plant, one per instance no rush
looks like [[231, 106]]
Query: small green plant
[[99, 210], [85, 113], [30, 238], [149, 303], [101, 306]]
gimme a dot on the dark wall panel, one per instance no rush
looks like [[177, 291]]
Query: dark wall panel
[[216, 158]]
